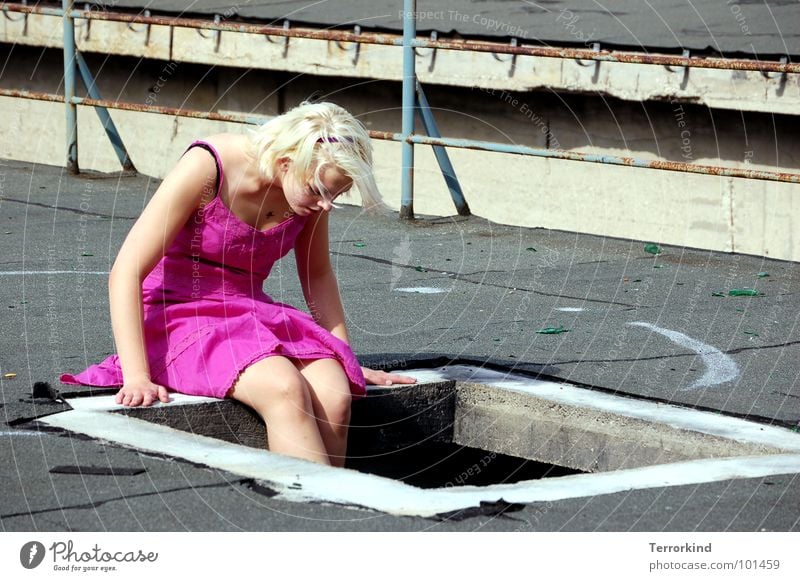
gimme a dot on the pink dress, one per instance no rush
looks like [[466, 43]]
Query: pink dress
[[206, 316]]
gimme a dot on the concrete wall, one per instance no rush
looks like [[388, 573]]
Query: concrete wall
[[748, 216], [720, 89]]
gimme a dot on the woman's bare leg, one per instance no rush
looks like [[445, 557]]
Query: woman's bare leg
[[331, 400], [280, 394]]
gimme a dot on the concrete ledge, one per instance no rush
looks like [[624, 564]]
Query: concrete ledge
[[226, 420], [527, 426], [489, 417], [388, 419], [722, 89]]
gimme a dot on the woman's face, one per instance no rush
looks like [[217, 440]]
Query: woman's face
[[304, 198]]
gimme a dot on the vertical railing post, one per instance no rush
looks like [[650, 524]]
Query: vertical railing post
[[409, 100], [429, 123], [69, 87], [105, 117]]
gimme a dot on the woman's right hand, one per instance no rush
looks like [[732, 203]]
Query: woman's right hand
[[141, 392]]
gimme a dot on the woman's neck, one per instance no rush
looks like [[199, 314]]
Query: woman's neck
[[265, 183]]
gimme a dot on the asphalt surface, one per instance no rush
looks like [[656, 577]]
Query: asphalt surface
[[745, 27], [60, 235]]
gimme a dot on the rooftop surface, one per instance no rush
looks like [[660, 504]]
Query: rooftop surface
[[652, 328], [746, 27]]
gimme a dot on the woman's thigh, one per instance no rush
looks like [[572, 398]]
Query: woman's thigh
[[329, 386], [272, 381]]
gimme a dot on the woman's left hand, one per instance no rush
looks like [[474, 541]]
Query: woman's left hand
[[376, 377]]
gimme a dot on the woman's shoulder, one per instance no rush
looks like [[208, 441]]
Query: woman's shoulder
[[226, 140], [231, 147]]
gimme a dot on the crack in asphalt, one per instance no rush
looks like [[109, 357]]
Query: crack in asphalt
[[461, 277], [98, 503], [72, 210], [787, 394]]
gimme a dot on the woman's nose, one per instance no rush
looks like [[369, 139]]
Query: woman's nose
[[325, 205]]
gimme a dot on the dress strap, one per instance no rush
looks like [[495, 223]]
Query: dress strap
[[210, 148]]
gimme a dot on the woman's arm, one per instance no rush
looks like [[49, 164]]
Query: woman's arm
[[171, 206], [321, 290]]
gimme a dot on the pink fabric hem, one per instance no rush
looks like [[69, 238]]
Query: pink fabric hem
[[357, 389], [358, 393], [70, 379]]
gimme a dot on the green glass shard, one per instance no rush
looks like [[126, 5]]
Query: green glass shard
[[743, 292], [552, 330]]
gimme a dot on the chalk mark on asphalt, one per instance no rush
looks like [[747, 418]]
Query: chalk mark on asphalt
[[676, 355], [22, 434], [423, 290], [720, 368]]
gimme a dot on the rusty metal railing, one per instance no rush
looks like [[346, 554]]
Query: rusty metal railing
[[363, 37], [413, 97]]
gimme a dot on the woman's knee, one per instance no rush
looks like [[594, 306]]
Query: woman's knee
[[330, 389], [337, 408], [272, 382]]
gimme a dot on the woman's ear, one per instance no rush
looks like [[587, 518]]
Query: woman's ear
[[284, 163]]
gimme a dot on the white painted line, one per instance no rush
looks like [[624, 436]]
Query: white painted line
[[720, 368], [682, 418], [571, 309], [676, 474], [40, 272], [322, 483], [299, 480], [423, 290], [104, 403]]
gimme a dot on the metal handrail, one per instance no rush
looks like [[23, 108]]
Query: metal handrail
[[390, 39], [423, 140], [413, 97]]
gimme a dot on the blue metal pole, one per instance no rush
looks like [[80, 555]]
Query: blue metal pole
[[69, 87], [440, 152], [733, 172], [105, 118], [409, 79]]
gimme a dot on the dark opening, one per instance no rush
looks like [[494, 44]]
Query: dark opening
[[441, 465], [404, 434], [417, 459]]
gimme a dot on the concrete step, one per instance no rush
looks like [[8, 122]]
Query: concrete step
[[494, 418]]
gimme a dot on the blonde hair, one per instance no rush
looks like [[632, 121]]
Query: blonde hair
[[314, 135]]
